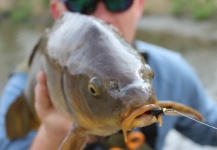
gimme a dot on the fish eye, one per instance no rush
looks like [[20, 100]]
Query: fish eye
[[93, 86], [93, 89]]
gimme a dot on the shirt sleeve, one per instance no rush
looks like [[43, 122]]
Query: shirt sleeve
[[12, 90]]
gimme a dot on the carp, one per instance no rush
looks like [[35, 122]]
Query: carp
[[94, 78]]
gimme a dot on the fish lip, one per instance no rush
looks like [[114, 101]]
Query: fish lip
[[139, 118], [137, 114]]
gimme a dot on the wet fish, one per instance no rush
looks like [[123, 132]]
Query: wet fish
[[94, 78]]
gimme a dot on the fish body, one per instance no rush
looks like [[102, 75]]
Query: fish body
[[94, 78]]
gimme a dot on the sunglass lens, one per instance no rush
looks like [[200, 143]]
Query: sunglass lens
[[118, 5], [81, 6]]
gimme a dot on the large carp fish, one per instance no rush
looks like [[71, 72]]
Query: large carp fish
[[94, 78]]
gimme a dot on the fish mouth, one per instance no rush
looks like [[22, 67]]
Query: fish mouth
[[140, 117]]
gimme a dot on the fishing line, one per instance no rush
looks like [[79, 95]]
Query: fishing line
[[174, 111], [66, 137]]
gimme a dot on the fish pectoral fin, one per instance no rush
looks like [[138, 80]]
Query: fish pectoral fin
[[19, 120], [75, 140], [186, 110]]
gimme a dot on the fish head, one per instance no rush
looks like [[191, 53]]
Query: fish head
[[108, 87], [106, 82]]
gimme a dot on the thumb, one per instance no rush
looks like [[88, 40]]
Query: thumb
[[42, 98]]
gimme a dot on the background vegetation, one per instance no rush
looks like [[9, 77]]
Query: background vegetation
[[197, 9], [193, 9], [20, 10], [23, 10]]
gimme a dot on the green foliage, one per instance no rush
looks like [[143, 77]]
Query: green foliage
[[205, 9], [21, 11], [46, 3], [24, 9], [198, 9], [20, 15], [178, 7]]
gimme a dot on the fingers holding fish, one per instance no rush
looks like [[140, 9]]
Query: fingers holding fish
[[41, 93], [54, 127], [51, 119]]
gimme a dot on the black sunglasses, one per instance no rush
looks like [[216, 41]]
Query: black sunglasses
[[89, 6]]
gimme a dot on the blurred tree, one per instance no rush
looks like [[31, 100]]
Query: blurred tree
[[197, 9]]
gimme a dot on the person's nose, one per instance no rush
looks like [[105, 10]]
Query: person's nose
[[103, 13]]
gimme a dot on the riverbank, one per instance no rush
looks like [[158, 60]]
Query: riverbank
[[175, 32], [158, 29]]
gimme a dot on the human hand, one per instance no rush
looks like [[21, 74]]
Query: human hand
[[52, 120], [54, 127]]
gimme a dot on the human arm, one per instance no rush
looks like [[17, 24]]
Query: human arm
[[182, 85], [175, 80], [196, 97], [12, 90], [47, 132]]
